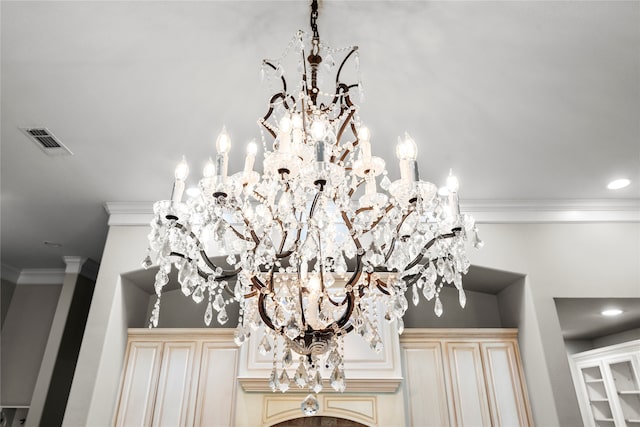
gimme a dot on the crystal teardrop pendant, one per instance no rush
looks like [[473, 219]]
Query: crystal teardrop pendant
[[208, 315], [462, 298], [437, 309], [283, 381], [337, 380], [222, 317], [415, 296], [310, 405], [218, 302], [300, 377], [273, 379], [146, 262], [265, 346], [287, 358]]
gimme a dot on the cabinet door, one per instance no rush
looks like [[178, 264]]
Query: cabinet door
[[217, 389], [469, 405], [425, 385], [505, 388], [139, 384], [176, 385], [623, 377]]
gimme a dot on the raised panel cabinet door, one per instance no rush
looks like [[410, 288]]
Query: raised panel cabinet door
[[469, 405], [505, 387], [425, 384], [176, 385], [138, 392], [217, 389]]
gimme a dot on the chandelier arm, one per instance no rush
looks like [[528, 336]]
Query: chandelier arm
[[353, 190], [377, 221], [344, 61], [347, 314], [263, 312], [274, 98], [254, 236], [346, 122], [203, 254], [393, 241], [428, 245], [284, 81], [381, 287]]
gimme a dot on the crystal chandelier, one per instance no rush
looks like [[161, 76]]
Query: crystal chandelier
[[316, 250]]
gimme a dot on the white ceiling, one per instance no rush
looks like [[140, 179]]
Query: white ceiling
[[525, 100]]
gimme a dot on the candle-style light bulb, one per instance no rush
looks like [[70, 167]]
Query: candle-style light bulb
[[410, 147], [452, 182], [285, 124], [454, 204], [223, 142], [252, 149], [364, 137], [209, 169], [401, 151], [296, 121], [181, 172], [318, 129]]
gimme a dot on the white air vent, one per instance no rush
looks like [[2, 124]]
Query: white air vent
[[46, 141]]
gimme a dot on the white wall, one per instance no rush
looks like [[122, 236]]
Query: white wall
[[559, 260]]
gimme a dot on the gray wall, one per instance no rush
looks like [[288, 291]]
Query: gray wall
[[630, 335], [6, 294], [65, 363], [577, 346], [24, 338]]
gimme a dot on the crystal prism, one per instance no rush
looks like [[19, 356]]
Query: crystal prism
[[198, 295], [337, 380], [208, 315], [415, 297], [222, 317], [265, 346], [283, 381], [462, 298], [310, 405], [437, 309], [300, 377], [146, 262], [218, 302], [316, 382], [273, 380], [287, 358]]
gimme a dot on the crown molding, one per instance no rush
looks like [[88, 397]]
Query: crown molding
[[51, 276], [484, 211], [41, 276], [553, 211]]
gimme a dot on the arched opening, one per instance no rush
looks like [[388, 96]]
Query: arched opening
[[319, 422]]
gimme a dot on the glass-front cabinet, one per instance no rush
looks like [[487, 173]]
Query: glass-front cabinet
[[608, 385]]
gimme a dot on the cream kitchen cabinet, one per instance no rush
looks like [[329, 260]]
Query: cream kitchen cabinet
[[178, 378], [464, 377], [607, 382]]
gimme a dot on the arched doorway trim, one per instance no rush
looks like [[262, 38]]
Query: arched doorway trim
[[361, 409]]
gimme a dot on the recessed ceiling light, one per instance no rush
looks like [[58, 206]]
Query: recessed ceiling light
[[618, 184], [193, 191], [611, 312]]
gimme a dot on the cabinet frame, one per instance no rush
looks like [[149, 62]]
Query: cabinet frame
[[603, 358], [480, 342]]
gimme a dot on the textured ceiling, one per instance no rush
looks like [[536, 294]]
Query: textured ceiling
[[525, 100]]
